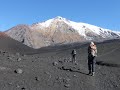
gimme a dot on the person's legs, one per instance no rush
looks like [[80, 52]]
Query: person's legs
[[89, 65], [74, 58], [93, 66]]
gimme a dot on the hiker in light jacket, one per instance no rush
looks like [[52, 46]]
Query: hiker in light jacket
[[92, 53]]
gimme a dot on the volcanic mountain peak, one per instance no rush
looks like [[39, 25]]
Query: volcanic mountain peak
[[59, 30], [48, 22], [60, 18], [81, 28]]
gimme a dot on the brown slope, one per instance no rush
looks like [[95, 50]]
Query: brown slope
[[11, 45], [21, 33], [57, 33]]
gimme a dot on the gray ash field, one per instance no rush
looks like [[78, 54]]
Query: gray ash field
[[23, 68]]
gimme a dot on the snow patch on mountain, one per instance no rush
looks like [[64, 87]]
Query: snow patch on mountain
[[46, 23]]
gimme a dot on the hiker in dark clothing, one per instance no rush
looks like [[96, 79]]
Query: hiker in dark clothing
[[73, 56], [92, 53]]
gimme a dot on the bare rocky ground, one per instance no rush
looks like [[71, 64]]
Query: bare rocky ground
[[51, 68]]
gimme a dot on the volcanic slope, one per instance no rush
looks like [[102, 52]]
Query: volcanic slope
[[51, 69], [8, 44]]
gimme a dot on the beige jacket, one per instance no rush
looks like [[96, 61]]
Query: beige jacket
[[92, 50]]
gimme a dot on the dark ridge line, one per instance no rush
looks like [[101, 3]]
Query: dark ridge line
[[63, 47]]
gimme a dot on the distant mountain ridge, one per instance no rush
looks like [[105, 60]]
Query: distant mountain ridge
[[59, 31]]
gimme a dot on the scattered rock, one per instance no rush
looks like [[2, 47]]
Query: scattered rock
[[60, 61], [10, 58], [17, 86], [67, 85], [23, 88], [46, 72], [55, 63], [66, 81], [59, 79], [19, 59], [36, 78], [74, 76], [23, 55], [3, 68], [19, 71], [4, 52], [9, 83], [66, 60]]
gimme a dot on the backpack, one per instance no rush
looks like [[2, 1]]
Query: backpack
[[94, 51], [74, 52]]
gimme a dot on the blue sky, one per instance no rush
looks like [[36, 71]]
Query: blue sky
[[103, 13]]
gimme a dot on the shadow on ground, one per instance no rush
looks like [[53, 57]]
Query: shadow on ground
[[107, 64]]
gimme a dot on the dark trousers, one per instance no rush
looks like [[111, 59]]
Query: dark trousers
[[74, 58], [91, 64]]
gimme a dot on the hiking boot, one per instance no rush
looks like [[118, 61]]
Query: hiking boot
[[93, 73], [89, 73], [76, 63]]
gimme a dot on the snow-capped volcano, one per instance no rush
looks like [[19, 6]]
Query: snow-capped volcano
[[59, 30], [82, 28]]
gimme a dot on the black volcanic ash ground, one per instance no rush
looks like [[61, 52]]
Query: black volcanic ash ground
[[51, 68]]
